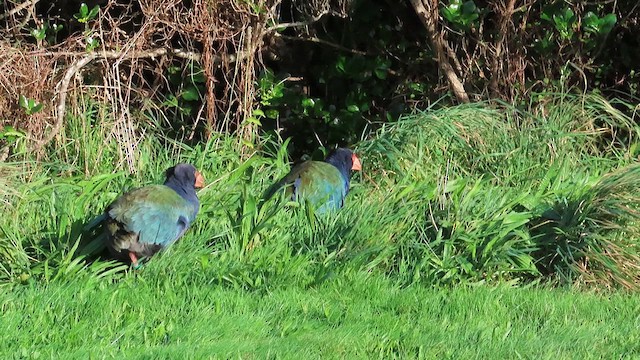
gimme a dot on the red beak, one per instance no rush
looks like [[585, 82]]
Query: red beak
[[199, 180], [357, 165]]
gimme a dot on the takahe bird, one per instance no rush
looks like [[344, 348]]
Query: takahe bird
[[144, 221], [324, 184]]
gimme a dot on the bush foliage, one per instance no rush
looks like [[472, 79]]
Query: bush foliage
[[326, 72]]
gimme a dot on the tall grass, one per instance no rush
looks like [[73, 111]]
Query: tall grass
[[490, 175], [474, 193]]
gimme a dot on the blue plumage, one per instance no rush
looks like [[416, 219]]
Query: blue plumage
[[325, 184], [146, 220]]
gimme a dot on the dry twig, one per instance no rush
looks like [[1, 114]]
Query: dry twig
[[79, 64], [18, 8]]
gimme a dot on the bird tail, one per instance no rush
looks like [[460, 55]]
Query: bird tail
[[272, 190], [97, 220], [94, 246]]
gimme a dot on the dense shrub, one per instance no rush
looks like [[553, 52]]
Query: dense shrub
[[327, 72]]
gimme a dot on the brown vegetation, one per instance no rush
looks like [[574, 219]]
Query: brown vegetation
[[137, 44], [497, 50]]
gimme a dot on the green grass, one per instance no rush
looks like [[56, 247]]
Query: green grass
[[360, 317], [473, 231]]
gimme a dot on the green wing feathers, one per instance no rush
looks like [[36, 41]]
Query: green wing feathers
[[155, 214], [318, 182]]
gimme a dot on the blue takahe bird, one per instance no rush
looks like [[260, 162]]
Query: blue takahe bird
[[324, 184], [144, 221]]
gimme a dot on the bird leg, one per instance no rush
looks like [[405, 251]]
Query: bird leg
[[134, 259]]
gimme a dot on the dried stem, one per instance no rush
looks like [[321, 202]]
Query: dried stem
[[496, 71], [79, 64], [18, 8]]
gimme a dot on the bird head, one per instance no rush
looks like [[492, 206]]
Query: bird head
[[344, 158], [185, 174]]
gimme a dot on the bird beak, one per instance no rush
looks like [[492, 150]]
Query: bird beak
[[356, 163], [199, 180]]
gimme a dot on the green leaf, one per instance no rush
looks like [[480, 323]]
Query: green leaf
[[23, 102], [545, 16], [448, 14], [380, 73], [190, 94], [341, 63], [272, 114], [93, 12], [590, 22], [92, 42], [186, 109], [171, 101], [452, 11], [469, 7], [353, 108], [550, 11], [248, 144], [39, 34], [198, 77], [564, 20], [253, 120], [569, 16], [461, 14], [8, 132], [607, 23], [468, 19], [84, 10], [308, 102], [258, 112]]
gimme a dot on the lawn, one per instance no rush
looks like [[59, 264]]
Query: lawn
[[359, 317]]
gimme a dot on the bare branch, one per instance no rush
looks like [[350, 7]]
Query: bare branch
[[429, 20], [496, 71], [64, 85], [109, 54], [18, 8], [298, 23], [323, 42]]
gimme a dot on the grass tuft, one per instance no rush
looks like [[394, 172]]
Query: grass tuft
[[468, 194]]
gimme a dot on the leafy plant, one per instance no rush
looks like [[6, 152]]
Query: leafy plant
[[188, 85], [599, 26], [10, 134], [563, 18], [463, 14], [336, 116], [91, 43], [30, 106], [47, 32], [84, 15]]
